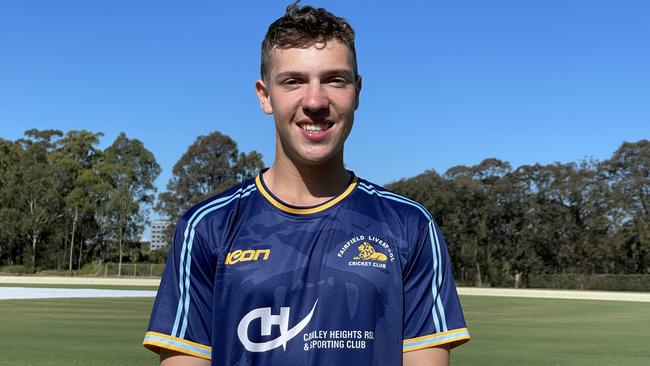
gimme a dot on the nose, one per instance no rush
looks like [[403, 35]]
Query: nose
[[316, 98]]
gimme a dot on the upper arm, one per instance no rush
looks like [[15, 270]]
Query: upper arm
[[432, 312], [182, 313], [434, 356]]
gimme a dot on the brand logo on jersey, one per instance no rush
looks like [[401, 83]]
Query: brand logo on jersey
[[247, 255], [367, 252], [268, 320]]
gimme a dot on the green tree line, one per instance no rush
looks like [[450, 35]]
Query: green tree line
[[504, 225], [65, 203]]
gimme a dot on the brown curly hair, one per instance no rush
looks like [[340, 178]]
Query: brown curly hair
[[302, 27]]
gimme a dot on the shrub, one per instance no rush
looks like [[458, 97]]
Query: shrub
[[602, 282]]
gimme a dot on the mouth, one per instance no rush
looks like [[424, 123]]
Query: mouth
[[315, 127]]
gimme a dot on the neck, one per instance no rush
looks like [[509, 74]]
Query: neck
[[306, 185]]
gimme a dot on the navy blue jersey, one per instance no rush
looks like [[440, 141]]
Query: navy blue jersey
[[361, 278]]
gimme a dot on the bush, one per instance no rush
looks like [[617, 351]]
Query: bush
[[90, 270], [601, 282], [15, 269]]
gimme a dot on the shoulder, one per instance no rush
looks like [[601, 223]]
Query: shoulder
[[219, 205], [387, 200]]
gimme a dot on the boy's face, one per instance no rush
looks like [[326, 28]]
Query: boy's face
[[312, 94]]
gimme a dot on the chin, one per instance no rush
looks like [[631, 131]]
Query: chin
[[311, 155], [316, 159]]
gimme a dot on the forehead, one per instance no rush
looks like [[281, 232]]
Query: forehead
[[319, 57]]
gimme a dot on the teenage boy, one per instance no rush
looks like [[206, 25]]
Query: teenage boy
[[307, 264]]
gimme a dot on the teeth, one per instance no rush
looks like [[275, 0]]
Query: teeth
[[314, 127]]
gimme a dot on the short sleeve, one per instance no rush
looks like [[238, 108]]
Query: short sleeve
[[432, 312], [182, 313]]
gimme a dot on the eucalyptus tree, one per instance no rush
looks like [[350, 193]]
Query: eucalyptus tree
[[38, 189], [629, 176], [478, 215], [75, 156], [209, 166], [10, 218], [131, 170]]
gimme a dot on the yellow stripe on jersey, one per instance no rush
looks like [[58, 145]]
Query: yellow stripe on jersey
[[455, 337], [304, 211], [154, 341]]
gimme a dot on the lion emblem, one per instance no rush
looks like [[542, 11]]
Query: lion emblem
[[366, 251]]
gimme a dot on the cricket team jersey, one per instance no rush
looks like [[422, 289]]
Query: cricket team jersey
[[358, 280]]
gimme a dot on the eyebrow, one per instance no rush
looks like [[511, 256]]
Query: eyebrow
[[344, 72]]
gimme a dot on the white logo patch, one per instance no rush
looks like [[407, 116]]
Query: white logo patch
[[268, 321]]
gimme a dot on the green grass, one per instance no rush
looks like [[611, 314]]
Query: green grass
[[505, 331], [510, 331], [60, 332]]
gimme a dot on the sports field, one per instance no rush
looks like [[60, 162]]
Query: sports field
[[505, 331]]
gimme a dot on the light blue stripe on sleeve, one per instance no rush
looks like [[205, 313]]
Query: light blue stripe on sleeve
[[170, 342], [435, 247], [437, 279], [185, 255], [245, 193], [437, 340]]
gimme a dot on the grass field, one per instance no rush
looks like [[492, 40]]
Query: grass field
[[513, 331], [505, 331]]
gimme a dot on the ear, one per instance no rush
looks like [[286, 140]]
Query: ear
[[357, 88], [264, 97]]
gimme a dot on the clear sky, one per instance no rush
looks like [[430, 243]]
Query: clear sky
[[445, 82]]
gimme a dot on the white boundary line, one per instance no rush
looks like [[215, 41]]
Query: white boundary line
[[53, 280], [464, 291], [21, 293]]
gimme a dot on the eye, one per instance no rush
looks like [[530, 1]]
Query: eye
[[291, 82], [338, 82]]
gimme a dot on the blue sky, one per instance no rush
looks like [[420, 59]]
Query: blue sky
[[445, 82]]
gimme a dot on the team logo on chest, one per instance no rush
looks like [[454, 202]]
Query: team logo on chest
[[370, 252], [367, 252]]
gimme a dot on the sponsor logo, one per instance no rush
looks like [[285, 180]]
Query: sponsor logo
[[372, 252], [268, 320], [247, 255]]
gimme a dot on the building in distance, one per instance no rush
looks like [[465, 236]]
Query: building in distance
[[158, 239]]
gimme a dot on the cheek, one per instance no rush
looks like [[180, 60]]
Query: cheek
[[283, 106], [347, 103]]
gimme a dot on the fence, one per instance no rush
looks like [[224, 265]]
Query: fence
[[133, 270]]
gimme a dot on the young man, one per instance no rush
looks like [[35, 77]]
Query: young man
[[307, 264]]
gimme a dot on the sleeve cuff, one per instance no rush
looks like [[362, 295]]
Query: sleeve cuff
[[154, 341], [454, 338]]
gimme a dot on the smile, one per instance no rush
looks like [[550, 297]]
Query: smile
[[315, 127]]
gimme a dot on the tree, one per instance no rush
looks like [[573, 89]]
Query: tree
[[209, 166], [131, 170], [75, 156], [629, 175], [478, 213], [39, 187], [10, 218]]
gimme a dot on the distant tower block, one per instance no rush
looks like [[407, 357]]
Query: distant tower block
[[158, 240]]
